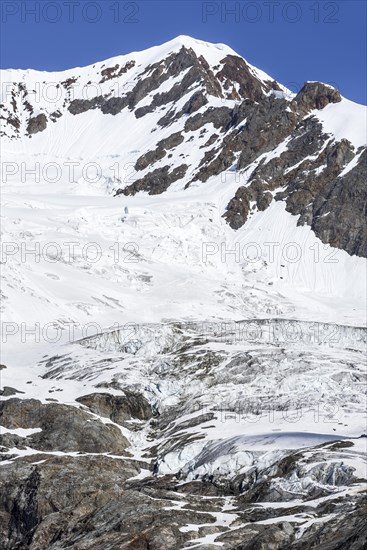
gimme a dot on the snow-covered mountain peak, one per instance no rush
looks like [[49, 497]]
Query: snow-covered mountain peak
[[195, 112], [199, 46]]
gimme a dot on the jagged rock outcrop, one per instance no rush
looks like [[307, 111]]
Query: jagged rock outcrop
[[78, 106], [237, 77], [316, 95], [43, 503], [341, 211], [110, 73], [62, 428], [119, 409], [151, 157], [155, 182], [92, 502]]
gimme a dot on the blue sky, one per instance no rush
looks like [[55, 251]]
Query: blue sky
[[292, 41]]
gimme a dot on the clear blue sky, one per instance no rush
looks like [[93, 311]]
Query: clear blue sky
[[292, 41]]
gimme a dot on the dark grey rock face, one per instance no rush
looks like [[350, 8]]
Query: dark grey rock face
[[78, 106], [315, 95], [109, 73], [334, 205], [151, 157], [45, 503], [347, 531], [196, 101], [37, 124], [63, 428], [98, 502], [220, 117], [7, 391], [118, 408], [114, 105], [91, 502], [341, 211], [155, 182], [172, 141], [235, 71]]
